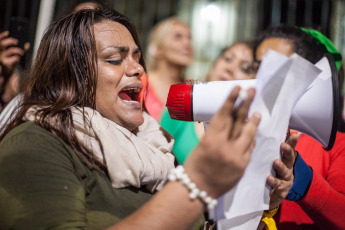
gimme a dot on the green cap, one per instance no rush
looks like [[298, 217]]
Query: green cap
[[321, 38]]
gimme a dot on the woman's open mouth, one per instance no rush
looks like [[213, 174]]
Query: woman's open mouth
[[130, 94]]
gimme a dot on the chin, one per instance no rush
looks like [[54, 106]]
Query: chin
[[184, 62], [133, 122]]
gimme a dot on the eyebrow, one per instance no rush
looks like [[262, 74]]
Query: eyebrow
[[121, 49]]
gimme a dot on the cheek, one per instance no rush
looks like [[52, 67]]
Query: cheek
[[218, 67], [107, 82], [175, 47], [241, 76], [173, 56], [222, 66], [216, 71], [110, 76]]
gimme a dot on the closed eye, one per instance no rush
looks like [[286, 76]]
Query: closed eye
[[114, 62]]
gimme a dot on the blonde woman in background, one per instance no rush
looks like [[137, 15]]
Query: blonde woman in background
[[169, 53]]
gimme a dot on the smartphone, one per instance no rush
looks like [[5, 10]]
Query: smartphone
[[19, 29]]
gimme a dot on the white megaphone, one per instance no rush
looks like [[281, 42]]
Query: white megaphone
[[315, 114]]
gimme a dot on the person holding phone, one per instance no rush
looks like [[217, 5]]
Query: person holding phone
[[10, 56]]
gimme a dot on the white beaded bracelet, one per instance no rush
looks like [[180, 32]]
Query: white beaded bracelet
[[178, 174]]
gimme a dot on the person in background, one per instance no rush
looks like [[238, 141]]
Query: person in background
[[75, 5], [83, 5], [81, 153], [10, 56], [317, 197], [12, 94], [169, 53], [233, 63]]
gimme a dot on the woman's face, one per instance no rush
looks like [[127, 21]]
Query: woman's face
[[234, 64], [177, 46], [119, 72], [280, 45]]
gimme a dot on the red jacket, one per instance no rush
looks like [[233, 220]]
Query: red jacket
[[323, 207]]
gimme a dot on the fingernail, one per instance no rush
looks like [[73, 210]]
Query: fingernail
[[270, 179]]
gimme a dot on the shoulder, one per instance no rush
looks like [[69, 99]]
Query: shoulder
[[340, 137], [40, 173], [29, 142], [308, 144], [30, 136], [338, 149]]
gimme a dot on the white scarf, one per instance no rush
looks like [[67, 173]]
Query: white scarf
[[132, 159]]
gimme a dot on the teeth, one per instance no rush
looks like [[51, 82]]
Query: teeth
[[135, 90], [133, 102]]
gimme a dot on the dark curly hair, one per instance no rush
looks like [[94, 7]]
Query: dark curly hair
[[303, 44]]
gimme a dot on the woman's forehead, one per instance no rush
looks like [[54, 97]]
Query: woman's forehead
[[110, 33], [109, 28], [240, 50]]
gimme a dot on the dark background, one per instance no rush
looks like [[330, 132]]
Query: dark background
[[307, 13]]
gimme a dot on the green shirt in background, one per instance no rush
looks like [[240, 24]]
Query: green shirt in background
[[184, 134]]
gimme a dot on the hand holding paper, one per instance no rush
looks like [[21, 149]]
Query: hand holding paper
[[281, 83]]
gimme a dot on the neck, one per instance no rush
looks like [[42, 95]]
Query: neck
[[170, 73], [163, 77]]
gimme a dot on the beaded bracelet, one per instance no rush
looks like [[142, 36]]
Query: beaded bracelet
[[178, 174]]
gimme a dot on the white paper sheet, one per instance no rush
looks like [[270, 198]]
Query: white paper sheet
[[281, 82]]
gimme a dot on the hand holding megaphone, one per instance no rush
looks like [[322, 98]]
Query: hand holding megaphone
[[315, 114]]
